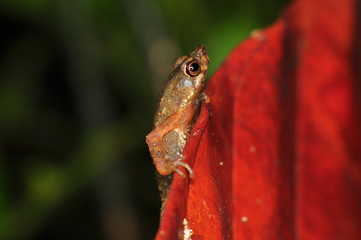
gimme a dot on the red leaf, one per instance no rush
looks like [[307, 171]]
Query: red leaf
[[276, 154]]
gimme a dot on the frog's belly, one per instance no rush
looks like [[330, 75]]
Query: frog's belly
[[174, 143]]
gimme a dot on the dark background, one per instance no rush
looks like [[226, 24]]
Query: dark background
[[78, 85]]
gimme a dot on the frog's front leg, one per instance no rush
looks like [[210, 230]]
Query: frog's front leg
[[202, 96], [155, 142]]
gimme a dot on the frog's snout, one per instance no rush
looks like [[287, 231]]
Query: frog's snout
[[200, 51]]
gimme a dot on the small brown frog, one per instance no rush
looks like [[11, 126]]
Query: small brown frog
[[177, 105]]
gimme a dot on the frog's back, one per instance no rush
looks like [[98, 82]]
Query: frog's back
[[169, 100]]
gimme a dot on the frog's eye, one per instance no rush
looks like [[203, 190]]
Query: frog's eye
[[193, 68]]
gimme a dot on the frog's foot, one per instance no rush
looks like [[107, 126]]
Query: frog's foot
[[178, 163], [203, 96]]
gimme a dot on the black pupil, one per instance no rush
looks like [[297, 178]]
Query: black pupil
[[194, 67]]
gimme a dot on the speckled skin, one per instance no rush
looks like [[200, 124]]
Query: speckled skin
[[176, 108], [175, 112]]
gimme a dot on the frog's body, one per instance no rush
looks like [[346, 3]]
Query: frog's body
[[177, 105], [175, 111]]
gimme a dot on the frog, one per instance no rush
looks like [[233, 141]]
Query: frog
[[177, 105]]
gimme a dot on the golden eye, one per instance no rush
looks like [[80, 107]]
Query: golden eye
[[193, 68]]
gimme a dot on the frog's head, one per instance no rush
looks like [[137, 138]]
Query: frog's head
[[197, 64], [192, 69]]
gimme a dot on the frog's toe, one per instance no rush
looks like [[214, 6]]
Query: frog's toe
[[180, 173], [185, 165], [203, 96]]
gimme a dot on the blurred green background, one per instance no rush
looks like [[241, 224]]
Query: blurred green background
[[78, 85]]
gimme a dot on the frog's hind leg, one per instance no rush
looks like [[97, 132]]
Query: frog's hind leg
[[155, 142]]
